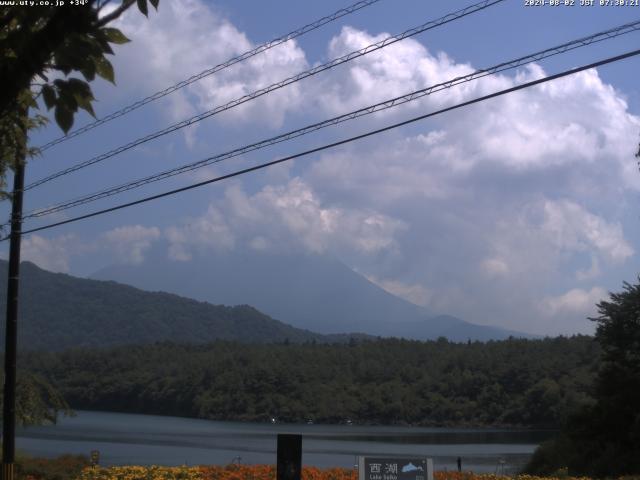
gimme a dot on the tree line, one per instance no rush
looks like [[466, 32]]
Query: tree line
[[389, 381]]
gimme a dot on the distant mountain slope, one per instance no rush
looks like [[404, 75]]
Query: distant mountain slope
[[307, 291], [59, 311]]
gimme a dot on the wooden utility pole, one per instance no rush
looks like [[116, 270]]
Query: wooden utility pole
[[11, 331]]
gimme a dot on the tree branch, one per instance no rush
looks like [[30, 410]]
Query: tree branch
[[116, 13]]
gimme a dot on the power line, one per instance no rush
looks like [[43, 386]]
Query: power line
[[584, 41], [210, 71], [335, 144], [263, 91]]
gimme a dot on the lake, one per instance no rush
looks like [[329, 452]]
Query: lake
[[125, 439]]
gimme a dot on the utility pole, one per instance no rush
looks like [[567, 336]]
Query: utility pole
[[11, 331]]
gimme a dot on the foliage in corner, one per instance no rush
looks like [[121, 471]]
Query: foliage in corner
[[40, 50], [37, 401], [603, 440]]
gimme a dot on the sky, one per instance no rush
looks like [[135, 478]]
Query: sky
[[520, 211]]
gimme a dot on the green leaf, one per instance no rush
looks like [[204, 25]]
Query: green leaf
[[64, 117], [85, 104], [104, 69], [114, 35], [49, 96], [66, 69], [69, 55], [142, 6], [79, 87], [82, 95], [68, 100], [31, 101], [154, 3], [101, 38], [38, 121], [87, 47], [88, 69]]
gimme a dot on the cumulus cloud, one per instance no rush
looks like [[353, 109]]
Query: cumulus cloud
[[187, 37], [126, 244], [283, 217], [545, 236], [572, 227], [592, 272], [573, 120], [495, 267], [51, 254], [575, 301], [551, 140], [207, 231], [129, 243], [395, 70], [503, 199]]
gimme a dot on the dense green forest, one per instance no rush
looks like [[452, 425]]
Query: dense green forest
[[512, 382]]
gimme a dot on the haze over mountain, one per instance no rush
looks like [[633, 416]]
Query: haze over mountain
[[313, 292], [58, 311]]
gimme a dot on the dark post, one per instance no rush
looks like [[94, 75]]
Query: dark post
[[289, 457], [11, 332]]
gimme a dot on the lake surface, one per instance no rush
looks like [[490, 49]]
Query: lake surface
[[125, 439]]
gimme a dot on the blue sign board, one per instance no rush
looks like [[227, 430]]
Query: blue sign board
[[395, 468]]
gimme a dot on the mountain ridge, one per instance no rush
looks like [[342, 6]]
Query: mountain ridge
[[59, 311], [313, 292]]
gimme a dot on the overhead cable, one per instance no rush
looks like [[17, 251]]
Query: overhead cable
[[275, 86], [334, 144], [210, 71], [390, 103]]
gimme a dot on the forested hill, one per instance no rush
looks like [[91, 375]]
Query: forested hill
[[511, 382], [59, 311]]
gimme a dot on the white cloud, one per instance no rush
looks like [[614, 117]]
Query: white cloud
[[551, 140], [129, 243], [577, 120], [575, 301], [395, 70], [544, 237], [528, 189], [572, 227], [126, 244], [298, 209], [495, 267], [282, 217], [50, 254], [592, 272], [187, 37], [208, 231]]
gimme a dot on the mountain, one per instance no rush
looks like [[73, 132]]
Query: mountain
[[313, 292], [59, 311]]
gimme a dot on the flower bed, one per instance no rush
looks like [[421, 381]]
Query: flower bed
[[268, 472]]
